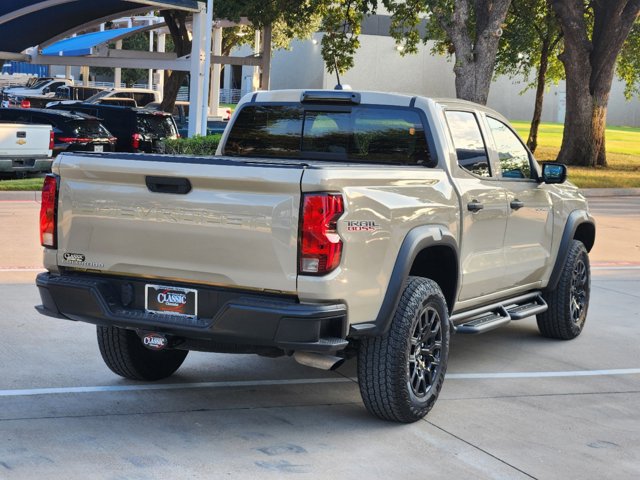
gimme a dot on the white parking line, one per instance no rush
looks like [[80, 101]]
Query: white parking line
[[2, 270], [627, 267], [574, 373], [302, 381], [168, 386]]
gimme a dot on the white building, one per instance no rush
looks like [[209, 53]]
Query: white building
[[379, 66]]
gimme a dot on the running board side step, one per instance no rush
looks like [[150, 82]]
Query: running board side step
[[490, 317]]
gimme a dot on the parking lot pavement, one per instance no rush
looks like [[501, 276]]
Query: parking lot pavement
[[514, 405]]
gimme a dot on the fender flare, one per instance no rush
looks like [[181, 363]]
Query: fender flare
[[416, 241], [575, 219]]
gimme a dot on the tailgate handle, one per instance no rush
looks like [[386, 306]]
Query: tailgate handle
[[21, 134], [178, 186]]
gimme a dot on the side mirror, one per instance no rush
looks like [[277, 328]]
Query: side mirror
[[554, 173]]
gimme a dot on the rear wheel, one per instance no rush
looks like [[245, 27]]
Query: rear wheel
[[569, 301], [401, 373], [123, 352]]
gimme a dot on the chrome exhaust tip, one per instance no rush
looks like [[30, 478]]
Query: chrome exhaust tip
[[318, 360]]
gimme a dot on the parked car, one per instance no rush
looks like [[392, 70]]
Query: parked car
[[330, 224], [76, 93], [181, 116], [79, 92], [142, 96], [137, 129], [71, 131], [10, 96]]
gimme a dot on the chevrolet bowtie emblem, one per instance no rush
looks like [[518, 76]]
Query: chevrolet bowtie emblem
[[21, 142]]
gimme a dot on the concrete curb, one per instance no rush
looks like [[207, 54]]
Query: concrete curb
[[611, 192], [21, 196], [588, 192]]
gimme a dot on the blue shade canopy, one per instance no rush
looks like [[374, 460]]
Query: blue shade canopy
[[83, 44], [27, 23]]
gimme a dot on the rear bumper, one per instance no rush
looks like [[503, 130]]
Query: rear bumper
[[227, 317], [8, 165]]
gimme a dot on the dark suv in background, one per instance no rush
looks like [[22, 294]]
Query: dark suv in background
[[137, 129], [72, 131]]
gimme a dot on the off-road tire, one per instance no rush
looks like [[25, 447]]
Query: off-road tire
[[123, 352], [386, 371], [569, 301]]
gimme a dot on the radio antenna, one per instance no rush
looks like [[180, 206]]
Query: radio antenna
[[335, 65]]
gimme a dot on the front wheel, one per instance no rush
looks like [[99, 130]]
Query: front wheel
[[125, 355], [569, 301], [401, 372]]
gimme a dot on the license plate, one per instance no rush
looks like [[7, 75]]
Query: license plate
[[171, 300], [98, 148]]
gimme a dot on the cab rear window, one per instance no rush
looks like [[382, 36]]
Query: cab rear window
[[157, 125], [365, 134]]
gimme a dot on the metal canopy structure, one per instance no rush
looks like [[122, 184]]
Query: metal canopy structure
[[84, 44], [43, 23], [26, 23]]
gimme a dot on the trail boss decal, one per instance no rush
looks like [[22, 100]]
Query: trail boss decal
[[362, 226]]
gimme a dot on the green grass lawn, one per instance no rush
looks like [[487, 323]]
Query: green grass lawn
[[623, 156], [22, 184]]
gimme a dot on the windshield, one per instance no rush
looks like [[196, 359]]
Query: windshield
[[37, 84], [371, 134], [98, 95]]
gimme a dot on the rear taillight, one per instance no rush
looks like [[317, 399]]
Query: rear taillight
[[25, 103], [48, 211], [320, 244], [51, 140], [135, 141], [74, 140]]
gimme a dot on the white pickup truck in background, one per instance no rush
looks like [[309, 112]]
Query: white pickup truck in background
[[25, 148], [46, 87]]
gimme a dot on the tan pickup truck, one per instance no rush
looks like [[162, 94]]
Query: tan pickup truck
[[330, 224]]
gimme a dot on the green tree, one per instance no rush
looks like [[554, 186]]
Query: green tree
[[468, 29], [595, 33], [130, 76], [628, 68], [532, 41], [289, 20]]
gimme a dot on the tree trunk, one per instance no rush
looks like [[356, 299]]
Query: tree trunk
[[475, 49], [173, 80], [532, 141], [589, 67], [177, 24]]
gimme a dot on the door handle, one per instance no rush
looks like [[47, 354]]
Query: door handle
[[178, 186], [516, 204], [475, 206]]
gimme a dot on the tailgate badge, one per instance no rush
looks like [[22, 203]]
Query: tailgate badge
[[73, 257], [154, 341]]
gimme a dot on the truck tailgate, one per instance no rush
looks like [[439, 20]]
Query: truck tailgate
[[19, 140], [237, 226]]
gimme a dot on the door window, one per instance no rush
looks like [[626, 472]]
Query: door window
[[513, 156], [468, 142]]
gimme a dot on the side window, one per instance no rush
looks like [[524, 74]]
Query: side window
[[468, 142], [513, 156]]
